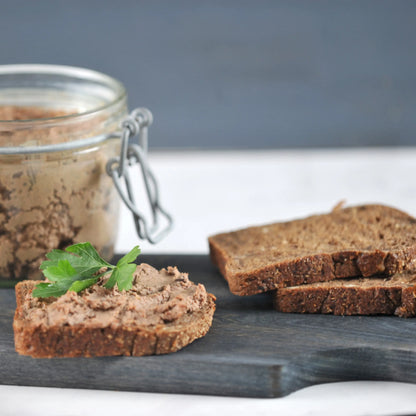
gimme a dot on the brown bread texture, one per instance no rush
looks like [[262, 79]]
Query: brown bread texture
[[364, 240], [362, 296], [163, 312]]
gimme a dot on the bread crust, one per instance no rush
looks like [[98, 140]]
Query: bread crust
[[238, 255], [83, 340]]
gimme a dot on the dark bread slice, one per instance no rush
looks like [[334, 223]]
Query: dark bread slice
[[103, 322], [356, 241], [362, 296]]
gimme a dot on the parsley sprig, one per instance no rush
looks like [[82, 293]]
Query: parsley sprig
[[76, 268]]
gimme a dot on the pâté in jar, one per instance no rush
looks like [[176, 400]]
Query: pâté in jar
[[64, 147]]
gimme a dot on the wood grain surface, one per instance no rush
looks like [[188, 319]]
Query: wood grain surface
[[251, 350]]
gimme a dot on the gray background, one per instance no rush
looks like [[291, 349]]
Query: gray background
[[238, 74]]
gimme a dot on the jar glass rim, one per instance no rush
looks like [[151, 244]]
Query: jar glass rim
[[66, 71]]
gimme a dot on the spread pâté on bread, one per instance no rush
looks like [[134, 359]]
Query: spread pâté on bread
[[363, 241], [163, 312], [356, 296]]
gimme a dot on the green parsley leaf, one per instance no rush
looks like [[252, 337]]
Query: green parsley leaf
[[64, 277], [44, 290], [79, 285], [83, 257], [130, 257], [76, 267], [123, 274]]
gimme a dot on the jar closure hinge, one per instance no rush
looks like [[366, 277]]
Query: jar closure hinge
[[137, 124]]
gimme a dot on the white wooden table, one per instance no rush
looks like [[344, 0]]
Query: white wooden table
[[212, 191]]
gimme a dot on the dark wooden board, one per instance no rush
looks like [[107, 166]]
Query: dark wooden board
[[250, 350]]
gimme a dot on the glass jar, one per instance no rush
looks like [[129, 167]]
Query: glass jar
[[53, 198]]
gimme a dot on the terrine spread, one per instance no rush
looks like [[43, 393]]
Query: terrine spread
[[157, 297], [52, 200]]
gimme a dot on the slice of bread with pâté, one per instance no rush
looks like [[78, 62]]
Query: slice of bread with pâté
[[163, 312]]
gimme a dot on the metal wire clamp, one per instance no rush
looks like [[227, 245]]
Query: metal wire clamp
[[137, 124]]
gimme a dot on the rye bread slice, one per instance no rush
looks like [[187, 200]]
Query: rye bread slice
[[357, 296], [356, 241], [162, 313]]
